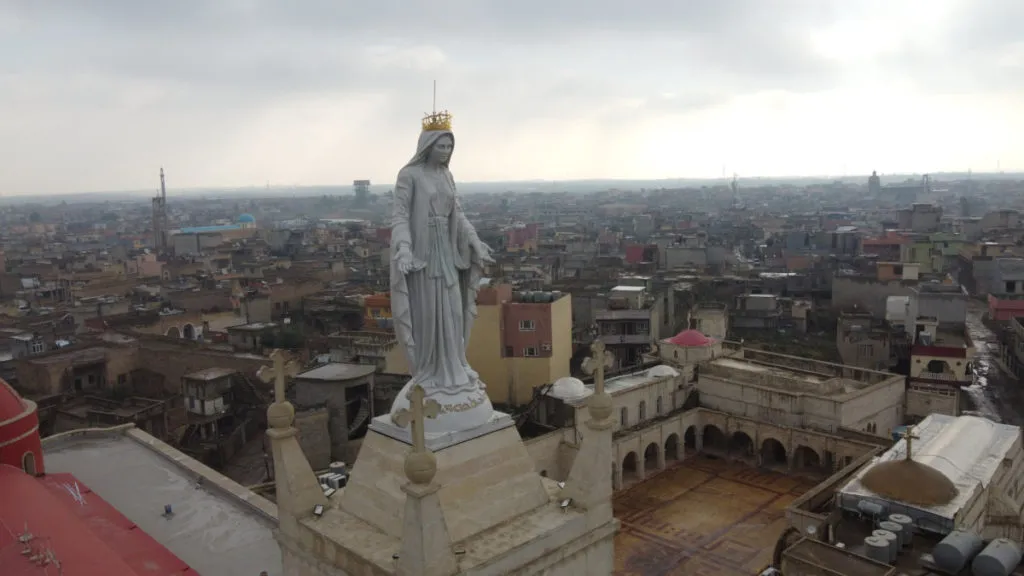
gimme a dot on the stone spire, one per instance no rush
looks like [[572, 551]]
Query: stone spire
[[589, 485], [426, 543], [298, 490]]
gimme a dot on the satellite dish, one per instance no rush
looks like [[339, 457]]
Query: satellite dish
[[590, 365]]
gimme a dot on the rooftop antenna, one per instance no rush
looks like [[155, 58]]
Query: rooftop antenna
[[163, 189]]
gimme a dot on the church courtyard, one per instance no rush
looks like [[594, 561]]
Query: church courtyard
[[703, 517]]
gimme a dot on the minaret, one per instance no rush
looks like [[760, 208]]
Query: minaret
[[160, 218]]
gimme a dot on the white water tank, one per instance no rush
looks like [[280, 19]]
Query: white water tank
[[877, 549], [892, 539], [908, 526], [1000, 558], [337, 468], [956, 550], [897, 529]]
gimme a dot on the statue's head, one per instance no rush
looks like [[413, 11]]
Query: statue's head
[[441, 151], [434, 148]]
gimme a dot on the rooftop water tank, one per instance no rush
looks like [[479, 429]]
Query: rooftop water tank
[[908, 526], [877, 549], [953, 553], [892, 539], [337, 468], [897, 529], [871, 509], [1000, 558]]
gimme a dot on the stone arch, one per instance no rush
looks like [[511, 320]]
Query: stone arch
[[690, 440], [715, 440], [652, 456], [806, 458], [672, 447], [28, 463], [188, 332], [741, 444], [173, 332], [773, 453], [630, 471]]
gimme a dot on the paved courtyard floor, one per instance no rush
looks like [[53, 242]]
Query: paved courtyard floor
[[703, 517]]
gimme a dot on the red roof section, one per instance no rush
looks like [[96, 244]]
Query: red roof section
[[11, 405], [88, 538], [691, 338]]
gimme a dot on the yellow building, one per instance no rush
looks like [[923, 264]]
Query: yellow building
[[520, 341]]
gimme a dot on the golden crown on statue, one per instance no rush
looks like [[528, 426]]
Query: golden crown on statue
[[437, 121]]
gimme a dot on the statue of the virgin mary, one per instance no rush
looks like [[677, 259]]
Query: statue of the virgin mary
[[436, 265]]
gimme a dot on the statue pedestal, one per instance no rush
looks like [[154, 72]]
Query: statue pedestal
[[459, 412]]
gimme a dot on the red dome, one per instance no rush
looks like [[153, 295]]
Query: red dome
[[11, 405], [690, 338]]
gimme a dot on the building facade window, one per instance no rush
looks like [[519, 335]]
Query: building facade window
[[530, 352], [642, 411], [38, 346], [527, 326], [657, 406], [623, 418]]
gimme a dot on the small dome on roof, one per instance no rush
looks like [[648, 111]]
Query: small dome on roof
[[662, 371], [692, 338], [11, 405], [247, 219], [910, 482], [568, 388]]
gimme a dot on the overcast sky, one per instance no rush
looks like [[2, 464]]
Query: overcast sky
[[98, 94]]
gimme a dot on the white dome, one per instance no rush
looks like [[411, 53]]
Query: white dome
[[662, 371], [568, 388]]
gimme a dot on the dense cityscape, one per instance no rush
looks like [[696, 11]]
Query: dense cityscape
[[769, 350]]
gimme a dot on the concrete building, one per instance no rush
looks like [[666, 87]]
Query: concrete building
[[630, 325], [344, 392], [947, 493], [520, 340]]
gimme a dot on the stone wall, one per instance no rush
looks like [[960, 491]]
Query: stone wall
[[314, 437]]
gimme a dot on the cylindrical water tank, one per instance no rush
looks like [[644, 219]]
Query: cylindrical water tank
[[892, 539], [869, 508], [337, 468], [897, 529], [877, 549], [1000, 558], [953, 553], [908, 526]]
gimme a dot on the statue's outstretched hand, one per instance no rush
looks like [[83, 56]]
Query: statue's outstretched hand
[[483, 251], [406, 261]]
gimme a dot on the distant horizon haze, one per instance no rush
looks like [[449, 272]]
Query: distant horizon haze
[[99, 95]]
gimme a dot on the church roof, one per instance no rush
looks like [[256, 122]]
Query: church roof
[[86, 534], [11, 405], [690, 338], [953, 459]]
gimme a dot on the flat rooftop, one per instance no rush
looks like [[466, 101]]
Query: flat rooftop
[[792, 373], [210, 374], [338, 371], [213, 531], [703, 517]]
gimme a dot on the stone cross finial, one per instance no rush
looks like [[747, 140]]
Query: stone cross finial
[[909, 436], [278, 374], [420, 464], [419, 409]]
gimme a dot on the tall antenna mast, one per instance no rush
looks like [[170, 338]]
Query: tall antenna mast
[[163, 189]]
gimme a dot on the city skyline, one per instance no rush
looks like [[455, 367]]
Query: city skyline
[[98, 99]]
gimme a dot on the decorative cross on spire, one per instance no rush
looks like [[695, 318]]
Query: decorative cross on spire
[[415, 414], [909, 436], [278, 374]]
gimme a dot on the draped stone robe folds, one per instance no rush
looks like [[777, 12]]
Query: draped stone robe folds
[[434, 306]]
